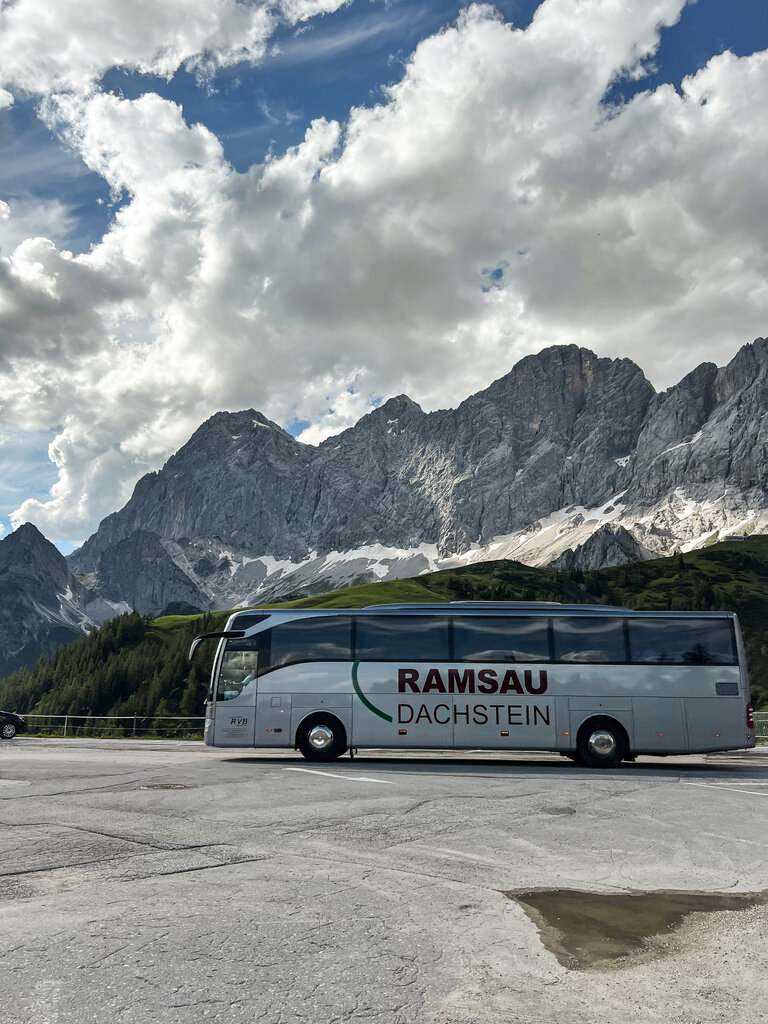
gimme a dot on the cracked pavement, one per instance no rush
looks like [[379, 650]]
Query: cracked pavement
[[370, 890]]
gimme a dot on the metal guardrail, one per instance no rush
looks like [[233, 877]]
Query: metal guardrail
[[117, 726], [173, 726]]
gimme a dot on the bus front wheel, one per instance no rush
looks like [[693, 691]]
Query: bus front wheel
[[322, 738], [602, 743]]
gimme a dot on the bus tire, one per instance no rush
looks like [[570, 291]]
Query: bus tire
[[321, 738], [602, 743]]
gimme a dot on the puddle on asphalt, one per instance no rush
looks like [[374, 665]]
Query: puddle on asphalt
[[587, 929]]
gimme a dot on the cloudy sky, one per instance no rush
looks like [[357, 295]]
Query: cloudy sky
[[305, 206]]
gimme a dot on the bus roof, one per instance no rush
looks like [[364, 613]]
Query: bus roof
[[482, 608], [492, 606]]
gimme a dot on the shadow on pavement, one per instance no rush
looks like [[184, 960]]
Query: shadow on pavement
[[730, 765]]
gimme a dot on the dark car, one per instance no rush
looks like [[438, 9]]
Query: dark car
[[10, 724]]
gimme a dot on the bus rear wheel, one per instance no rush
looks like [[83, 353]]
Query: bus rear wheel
[[602, 743], [322, 738]]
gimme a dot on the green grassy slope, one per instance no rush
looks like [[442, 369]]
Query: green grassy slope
[[133, 665]]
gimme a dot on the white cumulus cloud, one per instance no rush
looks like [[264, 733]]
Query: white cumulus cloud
[[50, 45], [489, 206]]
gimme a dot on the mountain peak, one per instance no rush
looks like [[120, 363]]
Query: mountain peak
[[750, 361], [27, 533], [33, 562], [229, 423], [27, 540], [397, 407]]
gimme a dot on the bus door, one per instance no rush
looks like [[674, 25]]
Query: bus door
[[234, 697]]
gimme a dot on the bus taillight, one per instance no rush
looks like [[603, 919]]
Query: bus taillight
[[750, 718]]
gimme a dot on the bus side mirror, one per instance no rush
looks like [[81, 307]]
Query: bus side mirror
[[232, 634]]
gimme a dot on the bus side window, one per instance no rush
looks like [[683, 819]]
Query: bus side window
[[311, 639], [590, 640], [500, 639], [682, 642], [402, 638]]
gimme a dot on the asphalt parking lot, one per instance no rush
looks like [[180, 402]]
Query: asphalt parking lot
[[158, 881]]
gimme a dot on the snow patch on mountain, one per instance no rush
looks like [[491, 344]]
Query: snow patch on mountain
[[229, 578], [683, 444], [233, 579]]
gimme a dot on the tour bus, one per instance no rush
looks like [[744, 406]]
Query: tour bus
[[597, 684]]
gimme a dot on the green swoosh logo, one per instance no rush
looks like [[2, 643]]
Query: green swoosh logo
[[363, 698]]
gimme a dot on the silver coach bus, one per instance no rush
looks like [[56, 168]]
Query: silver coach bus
[[597, 684]]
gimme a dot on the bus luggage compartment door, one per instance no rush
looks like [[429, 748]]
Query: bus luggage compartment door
[[273, 720], [659, 725]]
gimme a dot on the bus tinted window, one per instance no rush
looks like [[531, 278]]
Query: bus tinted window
[[402, 638], [247, 619], [500, 639], [311, 639], [589, 640], [681, 642]]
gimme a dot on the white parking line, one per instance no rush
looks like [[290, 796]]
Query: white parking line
[[731, 789], [463, 855], [749, 781], [15, 782], [732, 839], [336, 775]]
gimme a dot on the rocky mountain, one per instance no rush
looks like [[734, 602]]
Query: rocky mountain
[[41, 601], [568, 452], [609, 545]]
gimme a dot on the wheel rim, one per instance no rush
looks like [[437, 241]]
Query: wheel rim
[[9, 730], [602, 743], [320, 737]]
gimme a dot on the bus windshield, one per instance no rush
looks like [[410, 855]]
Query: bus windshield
[[239, 665]]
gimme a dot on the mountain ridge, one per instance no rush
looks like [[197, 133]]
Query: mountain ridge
[[562, 446], [453, 446]]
